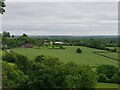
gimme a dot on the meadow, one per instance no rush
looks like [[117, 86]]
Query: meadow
[[107, 85], [87, 57]]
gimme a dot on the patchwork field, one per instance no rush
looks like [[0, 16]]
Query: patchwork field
[[87, 57], [112, 55]]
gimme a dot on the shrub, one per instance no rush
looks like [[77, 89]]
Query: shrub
[[115, 79], [39, 58], [9, 57], [78, 50], [102, 78], [22, 62]]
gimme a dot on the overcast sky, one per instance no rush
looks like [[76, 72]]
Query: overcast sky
[[60, 18]]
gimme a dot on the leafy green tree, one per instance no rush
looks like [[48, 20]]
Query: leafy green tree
[[102, 78], [106, 73], [115, 79], [78, 50], [52, 73], [22, 63], [24, 35], [79, 76], [6, 34], [11, 43], [2, 6], [11, 76], [39, 58], [108, 70], [49, 73], [9, 57]]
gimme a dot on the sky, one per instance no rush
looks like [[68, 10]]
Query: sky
[[62, 0], [61, 18]]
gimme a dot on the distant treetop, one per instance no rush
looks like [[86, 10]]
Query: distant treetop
[[2, 6]]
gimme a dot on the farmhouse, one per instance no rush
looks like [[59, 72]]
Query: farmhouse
[[58, 43], [28, 45]]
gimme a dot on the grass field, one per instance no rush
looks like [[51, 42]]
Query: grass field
[[113, 55], [106, 85], [87, 57]]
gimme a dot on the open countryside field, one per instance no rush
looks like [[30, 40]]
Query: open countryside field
[[112, 55], [87, 57]]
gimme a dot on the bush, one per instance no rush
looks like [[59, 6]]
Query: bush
[[9, 57], [102, 78], [22, 62], [39, 58], [78, 50], [115, 79]]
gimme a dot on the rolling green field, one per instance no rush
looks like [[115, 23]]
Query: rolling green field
[[113, 55], [87, 57]]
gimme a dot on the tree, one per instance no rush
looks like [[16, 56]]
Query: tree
[[115, 79], [2, 6], [25, 35], [78, 50], [12, 77], [39, 58], [22, 62], [12, 36], [9, 57], [106, 73], [79, 76], [102, 78], [6, 34], [52, 73]]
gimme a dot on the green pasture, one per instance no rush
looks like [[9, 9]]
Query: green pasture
[[87, 57], [106, 85], [113, 55]]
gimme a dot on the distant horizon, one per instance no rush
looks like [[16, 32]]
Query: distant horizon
[[56, 35]]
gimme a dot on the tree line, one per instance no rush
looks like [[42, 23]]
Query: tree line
[[49, 72], [10, 41], [44, 72]]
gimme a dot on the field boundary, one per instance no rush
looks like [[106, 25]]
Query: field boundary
[[98, 53]]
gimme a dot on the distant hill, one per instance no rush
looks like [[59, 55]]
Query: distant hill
[[53, 36]]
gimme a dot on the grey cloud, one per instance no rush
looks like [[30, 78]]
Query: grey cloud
[[61, 18]]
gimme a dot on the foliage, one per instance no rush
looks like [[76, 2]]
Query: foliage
[[78, 50], [79, 76], [11, 76], [6, 34], [48, 73], [2, 5], [98, 43], [39, 58], [107, 73], [55, 74], [9, 57], [22, 62], [102, 78]]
